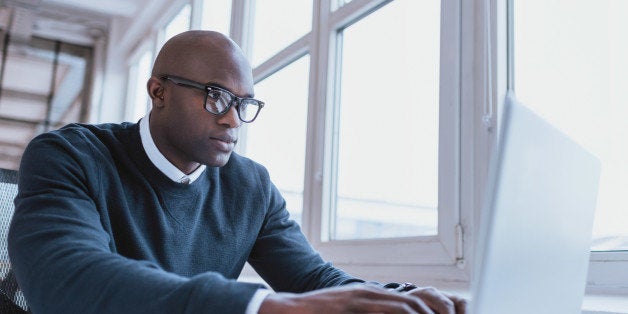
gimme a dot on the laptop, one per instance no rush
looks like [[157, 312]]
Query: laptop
[[536, 228]]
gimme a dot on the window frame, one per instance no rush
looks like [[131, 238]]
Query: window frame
[[423, 250]]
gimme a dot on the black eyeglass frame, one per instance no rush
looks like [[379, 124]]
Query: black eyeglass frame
[[209, 88]]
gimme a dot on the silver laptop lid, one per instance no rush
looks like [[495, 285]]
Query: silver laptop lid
[[535, 233]]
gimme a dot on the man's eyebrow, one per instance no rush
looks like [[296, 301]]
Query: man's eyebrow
[[219, 85]]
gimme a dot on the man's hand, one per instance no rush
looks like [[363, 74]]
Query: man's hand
[[441, 302], [361, 299]]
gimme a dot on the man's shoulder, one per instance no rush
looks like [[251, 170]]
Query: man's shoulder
[[84, 133], [78, 139], [91, 149], [96, 129]]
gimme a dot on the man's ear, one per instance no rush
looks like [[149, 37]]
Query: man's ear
[[155, 91]]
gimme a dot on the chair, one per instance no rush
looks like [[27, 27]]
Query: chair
[[11, 298]]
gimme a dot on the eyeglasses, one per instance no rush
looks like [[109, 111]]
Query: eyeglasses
[[219, 100]]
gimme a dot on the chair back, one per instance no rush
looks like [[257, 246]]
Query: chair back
[[11, 298]]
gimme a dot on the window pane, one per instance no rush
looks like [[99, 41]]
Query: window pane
[[571, 67], [216, 15], [387, 177], [276, 139], [273, 32], [179, 24], [141, 73]]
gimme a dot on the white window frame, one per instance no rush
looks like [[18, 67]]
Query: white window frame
[[357, 256]]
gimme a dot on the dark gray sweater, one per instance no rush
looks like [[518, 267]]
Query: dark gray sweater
[[99, 229]]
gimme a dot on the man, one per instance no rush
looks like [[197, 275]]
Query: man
[[160, 216]]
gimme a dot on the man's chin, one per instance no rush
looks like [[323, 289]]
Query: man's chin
[[218, 160]]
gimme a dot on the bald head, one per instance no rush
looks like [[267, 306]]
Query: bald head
[[183, 130], [194, 54]]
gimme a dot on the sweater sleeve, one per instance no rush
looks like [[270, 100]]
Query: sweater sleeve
[[283, 257], [61, 253]]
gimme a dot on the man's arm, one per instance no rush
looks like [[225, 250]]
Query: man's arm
[[61, 253], [347, 299], [283, 257]]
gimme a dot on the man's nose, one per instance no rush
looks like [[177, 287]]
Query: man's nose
[[230, 118]]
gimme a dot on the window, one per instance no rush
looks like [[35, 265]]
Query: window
[[366, 164], [387, 152], [568, 64], [275, 28], [137, 96], [216, 15], [180, 23], [277, 140], [571, 67]]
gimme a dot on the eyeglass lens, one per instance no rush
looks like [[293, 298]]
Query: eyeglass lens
[[218, 103], [248, 110]]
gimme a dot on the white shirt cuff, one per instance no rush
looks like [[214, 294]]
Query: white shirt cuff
[[256, 301]]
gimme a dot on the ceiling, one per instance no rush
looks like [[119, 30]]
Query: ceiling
[[67, 18], [30, 100]]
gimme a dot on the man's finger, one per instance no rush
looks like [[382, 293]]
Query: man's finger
[[436, 300], [462, 304], [387, 307], [392, 300]]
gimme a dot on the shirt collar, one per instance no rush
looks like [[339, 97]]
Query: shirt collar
[[160, 161]]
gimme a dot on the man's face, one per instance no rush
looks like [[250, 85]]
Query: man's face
[[191, 134]]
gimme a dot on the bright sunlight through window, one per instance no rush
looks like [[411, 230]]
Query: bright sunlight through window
[[571, 67], [387, 177]]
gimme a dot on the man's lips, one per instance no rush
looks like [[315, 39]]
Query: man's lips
[[226, 139], [223, 143]]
